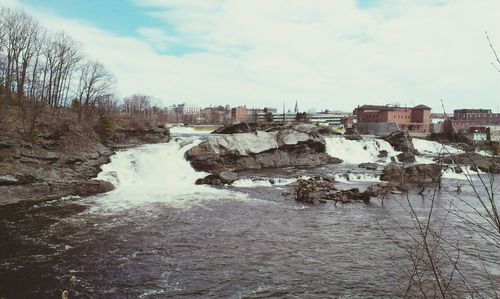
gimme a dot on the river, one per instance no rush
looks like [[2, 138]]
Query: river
[[158, 236]]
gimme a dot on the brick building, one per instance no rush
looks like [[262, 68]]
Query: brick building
[[464, 119], [416, 119], [239, 114]]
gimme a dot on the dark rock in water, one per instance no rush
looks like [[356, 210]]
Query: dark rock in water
[[299, 145], [315, 190], [320, 190], [54, 190], [369, 166], [458, 169], [237, 128], [419, 174], [406, 157], [474, 168], [353, 136], [222, 178], [401, 141], [383, 154], [272, 181], [483, 163]]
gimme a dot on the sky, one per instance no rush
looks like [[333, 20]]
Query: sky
[[325, 54]]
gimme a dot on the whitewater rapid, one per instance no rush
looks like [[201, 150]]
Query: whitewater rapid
[[157, 173], [160, 173], [359, 151]]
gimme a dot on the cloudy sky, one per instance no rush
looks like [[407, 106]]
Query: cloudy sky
[[326, 54]]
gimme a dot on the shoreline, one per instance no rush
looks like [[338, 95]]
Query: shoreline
[[64, 161]]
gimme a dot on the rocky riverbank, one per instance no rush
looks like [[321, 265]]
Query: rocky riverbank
[[62, 160]]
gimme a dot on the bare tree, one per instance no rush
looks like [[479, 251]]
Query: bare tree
[[94, 88]]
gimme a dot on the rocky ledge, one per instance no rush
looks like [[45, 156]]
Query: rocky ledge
[[322, 190], [63, 160], [402, 142], [476, 161], [420, 174], [296, 145]]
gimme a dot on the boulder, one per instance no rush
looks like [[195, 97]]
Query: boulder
[[383, 154], [369, 166], [419, 174], [300, 145], [314, 190], [406, 157], [401, 141], [222, 178], [483, 163], [321, 190], [237, 128], [355, 136]]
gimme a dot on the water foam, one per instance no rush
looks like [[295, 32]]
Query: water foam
[[433, 148], [191, 130], [157, 173], [359, 151]]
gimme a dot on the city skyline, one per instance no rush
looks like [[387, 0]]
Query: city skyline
[[325, 55]]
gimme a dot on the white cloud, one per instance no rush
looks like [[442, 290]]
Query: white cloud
[[326, 54]]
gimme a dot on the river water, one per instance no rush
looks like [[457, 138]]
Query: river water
[[158, 235]]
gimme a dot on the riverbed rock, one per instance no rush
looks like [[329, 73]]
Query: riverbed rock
[[322, 189], [237, 128], [406, 157], [484, 163], [402, 141], [300, 145], [418, 174], [369, 166], [383, 154], [222, 178]]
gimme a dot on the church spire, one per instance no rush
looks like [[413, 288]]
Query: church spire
[[296, 107]]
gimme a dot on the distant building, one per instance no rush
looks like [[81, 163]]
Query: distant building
[[382, 120], [260, 114], [239, 114], [328, 118], [187, 109], [464, 119], [216, 115]]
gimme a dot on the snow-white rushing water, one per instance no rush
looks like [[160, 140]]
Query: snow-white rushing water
[[427, 147], [359, 151], [156, 172], [191, 130]]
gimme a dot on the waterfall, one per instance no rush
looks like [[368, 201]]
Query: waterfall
[[157, 172], [433, 148], [359, 151]]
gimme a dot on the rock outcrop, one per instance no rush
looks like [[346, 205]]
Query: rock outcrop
[[62, 160], [237, 128], [321, 190], [134, 134], [369, 166], [222, 178], [417, 174], [475, 161], [300, 145], [402, 141]]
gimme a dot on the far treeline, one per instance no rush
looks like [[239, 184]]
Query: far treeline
[[46, 75]]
